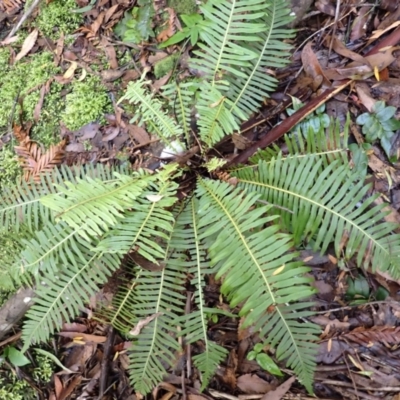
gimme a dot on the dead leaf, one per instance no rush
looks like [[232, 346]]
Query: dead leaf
[[111, 133], [365, 97], [139, 134], [39, 105], [312, 67], [75, 147], [69, 73], [9, 40], [249, 383], [111, 56], [159, 83], [110, 75], [142, 323], [280, 391], [83, 336], [110, 12], [29, 42], [87, 131]]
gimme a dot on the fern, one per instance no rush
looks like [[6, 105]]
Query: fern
[[21, 203], [148, 223], [259, 270], [326, 207], [61, 294], [225, 34], [181, 96], [155, 293], [330, 145], [104, 202], [195, 324], [73, 228], [249, 91], [150, 111], [216, 120]]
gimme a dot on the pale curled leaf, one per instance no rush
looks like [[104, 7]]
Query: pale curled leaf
[[29, 42], [142, 323]]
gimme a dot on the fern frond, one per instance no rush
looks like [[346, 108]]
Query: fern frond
[[159, 293], [60, 296], [330, 144], [153, 293], [45, 251], [225, 34], [100, 206], [253, 85], [10, 245], [147, 225], [195, 324], [259, 271], [181, 100], [149, 110], [21, 204], [325, 207], [216, 121]]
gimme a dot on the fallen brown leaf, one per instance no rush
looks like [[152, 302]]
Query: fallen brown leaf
[[280, 391], [249, 383], [29, 42]]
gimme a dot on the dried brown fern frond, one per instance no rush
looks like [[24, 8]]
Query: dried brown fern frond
[[376, 334], [34, 162], [11, 6]]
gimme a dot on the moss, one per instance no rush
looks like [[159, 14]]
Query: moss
[[165, 65], [9, 167], [20, 79], [87, 102], [14, 388], [183, 6], [56, 17]]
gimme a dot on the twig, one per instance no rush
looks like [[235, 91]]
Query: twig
[[105, 361], [26, 15]]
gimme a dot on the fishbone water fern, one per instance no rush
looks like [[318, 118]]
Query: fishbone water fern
[[77, 226]]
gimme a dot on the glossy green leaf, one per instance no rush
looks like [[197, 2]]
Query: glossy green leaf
[[268, 364]]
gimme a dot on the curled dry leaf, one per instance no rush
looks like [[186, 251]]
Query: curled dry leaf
[[69, 73], [142, 323], [29, 42], [313, 68]]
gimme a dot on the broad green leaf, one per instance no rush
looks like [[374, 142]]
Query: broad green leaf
[[268, 364]]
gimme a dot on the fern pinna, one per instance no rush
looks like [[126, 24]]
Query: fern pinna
[[71, 230]]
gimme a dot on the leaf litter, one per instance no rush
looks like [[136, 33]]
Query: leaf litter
[[359, 328]]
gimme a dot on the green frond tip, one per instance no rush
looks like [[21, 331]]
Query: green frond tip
[[61, 296], [258, 271], [150, 110], [325, 205], [94, 206]]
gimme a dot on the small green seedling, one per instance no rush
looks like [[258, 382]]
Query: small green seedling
[[14, 356], [381, 125], [136, 26], [264, 360], [191, 30]]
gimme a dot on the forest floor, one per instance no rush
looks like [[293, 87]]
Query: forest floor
[[62, 72]]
